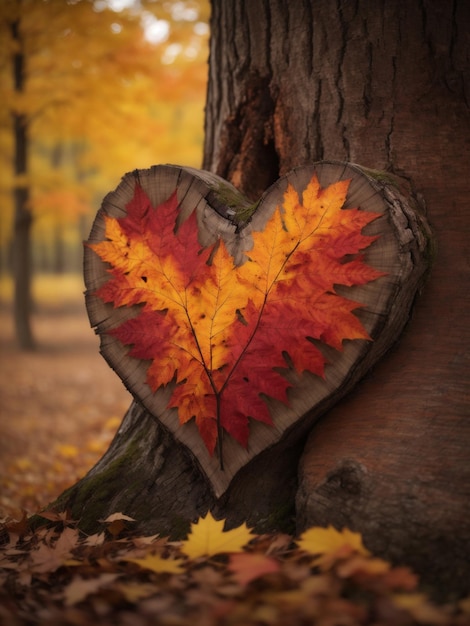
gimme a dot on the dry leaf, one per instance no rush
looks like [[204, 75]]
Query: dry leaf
[[248, 566], [359, 564], [207, 537], [114, 517], [418, 605], [79, 588], [49, 556], [156, 563]]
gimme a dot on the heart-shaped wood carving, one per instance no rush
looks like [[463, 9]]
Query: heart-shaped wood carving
[[236, 325]]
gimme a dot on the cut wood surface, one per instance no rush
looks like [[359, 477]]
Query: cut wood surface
[[401, 252]]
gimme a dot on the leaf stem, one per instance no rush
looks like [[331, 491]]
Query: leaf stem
[[217, 393], [266, 296], [220, 433], [258, 321]]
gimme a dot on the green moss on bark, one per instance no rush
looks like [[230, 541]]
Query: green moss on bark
[[240, 208], [89, 497]]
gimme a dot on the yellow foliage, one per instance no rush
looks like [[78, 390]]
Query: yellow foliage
[[97, 87], [207, 538], [67, 451], [328, 541], [158, 564]]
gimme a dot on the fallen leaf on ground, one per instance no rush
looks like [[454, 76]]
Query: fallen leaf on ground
[[207, 537], [158, 564], [81, 588], [49, 556], [331, 543], [247, 567], [117, 517]]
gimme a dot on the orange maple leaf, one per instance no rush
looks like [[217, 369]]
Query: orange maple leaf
[[221, 331]]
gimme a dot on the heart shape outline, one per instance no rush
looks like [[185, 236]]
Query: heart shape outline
[[201, 190]]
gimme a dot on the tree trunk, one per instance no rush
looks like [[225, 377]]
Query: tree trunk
[[384, 85], [22, 266], [392, 461]]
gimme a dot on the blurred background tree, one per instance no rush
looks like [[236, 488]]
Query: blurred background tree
[[91, 89]]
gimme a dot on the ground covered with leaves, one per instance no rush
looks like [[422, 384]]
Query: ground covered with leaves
[[60, 407], [56, 576]]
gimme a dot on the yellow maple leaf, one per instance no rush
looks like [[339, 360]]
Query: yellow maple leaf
[[207, 537], [305, 216], [115, 248], [211, 307], [272, 248], [320, 541], [158, 564]]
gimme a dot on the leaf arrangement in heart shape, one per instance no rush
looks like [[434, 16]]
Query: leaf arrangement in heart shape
[[226, 332]]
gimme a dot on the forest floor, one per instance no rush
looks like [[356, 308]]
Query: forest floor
[[60, 406]]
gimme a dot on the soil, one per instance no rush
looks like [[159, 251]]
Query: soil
[[60, 406]]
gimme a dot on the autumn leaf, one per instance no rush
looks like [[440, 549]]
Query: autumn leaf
[[420, 608], [79, 588], [221, 332], [18, 527], [358, 564], [114, 517], [247, 567], [135, 592], [116, 523], [103, 580], [158, 564], [207, 538], [61, 516], [50, 555], [327, 544]]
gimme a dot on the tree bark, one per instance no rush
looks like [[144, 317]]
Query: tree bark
[[385, 85], [392, 461]]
